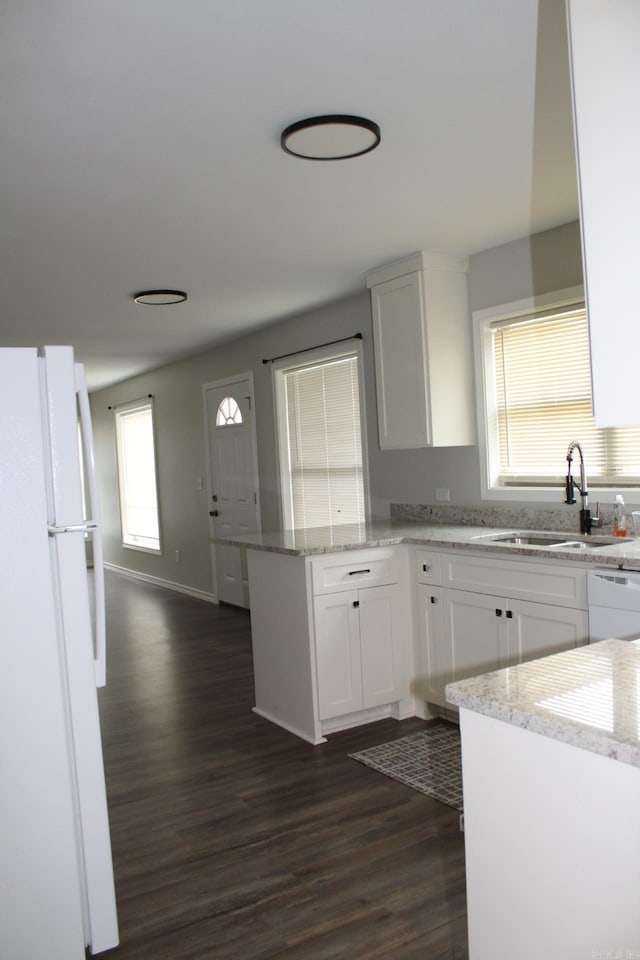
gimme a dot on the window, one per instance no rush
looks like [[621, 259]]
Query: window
[[320, 440], [536, 377], [137, 476], [228, 413]]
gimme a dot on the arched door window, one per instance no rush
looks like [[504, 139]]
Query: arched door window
[[228, 413]]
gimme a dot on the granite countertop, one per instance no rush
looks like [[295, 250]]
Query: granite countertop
[[380, 533], [588, 697]]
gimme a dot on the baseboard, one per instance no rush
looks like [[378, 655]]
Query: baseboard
[[349, 720], [165, 584], [287, 726], [404, 709], [428, 711], [435, 711]]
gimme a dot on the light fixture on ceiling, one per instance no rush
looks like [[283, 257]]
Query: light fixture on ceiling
[[332, 137], [160, 298]]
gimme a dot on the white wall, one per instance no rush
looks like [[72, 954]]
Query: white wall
[[545, 262]]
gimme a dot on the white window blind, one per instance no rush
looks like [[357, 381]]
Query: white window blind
[[137, 477], [542, 379], [325, 473]]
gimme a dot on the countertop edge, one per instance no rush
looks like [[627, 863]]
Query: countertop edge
[[457, 536], [593, 742], [534, 718]]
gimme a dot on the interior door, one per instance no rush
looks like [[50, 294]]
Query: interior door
[[233, 481]]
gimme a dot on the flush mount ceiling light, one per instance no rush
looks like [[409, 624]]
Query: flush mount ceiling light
[[333, 137], [160, 297]]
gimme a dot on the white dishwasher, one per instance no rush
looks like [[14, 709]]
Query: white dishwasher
[[613, 598]]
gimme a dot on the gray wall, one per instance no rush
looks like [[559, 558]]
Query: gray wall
[[532, 266], [180, 438], [536, 265]]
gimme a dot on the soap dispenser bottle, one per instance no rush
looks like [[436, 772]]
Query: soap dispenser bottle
[[619, 522]]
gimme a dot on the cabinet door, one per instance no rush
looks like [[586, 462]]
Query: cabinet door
[[431, 679], [382, 665], [475, 633], [538, 629], [337, 635], [397, 308], [603, 44]]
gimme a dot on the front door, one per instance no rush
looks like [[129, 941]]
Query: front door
[[233, 481]]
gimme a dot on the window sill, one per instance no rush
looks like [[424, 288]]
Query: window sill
[[555, 494], [142, 549]]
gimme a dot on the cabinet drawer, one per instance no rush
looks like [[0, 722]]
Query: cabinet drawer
[[553, 583], [428, 567], [353, 569]]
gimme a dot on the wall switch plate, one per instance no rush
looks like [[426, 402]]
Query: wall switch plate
[[177, 556], [198, 483], [443, 494]]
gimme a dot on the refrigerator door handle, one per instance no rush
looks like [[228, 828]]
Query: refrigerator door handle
[[88, 527], [94, 509]]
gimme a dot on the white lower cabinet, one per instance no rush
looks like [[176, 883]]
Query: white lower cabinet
[[483, 633], [462, 633], [338, 659], [337, 641], [538, 629], [358, 658], [332, 638], [474, 636], [431, 679]]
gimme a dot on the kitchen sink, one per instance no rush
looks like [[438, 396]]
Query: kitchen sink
[[526, 539], [591, 543], [559, 540]]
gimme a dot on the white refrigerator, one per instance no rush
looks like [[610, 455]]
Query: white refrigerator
[[56, 876]]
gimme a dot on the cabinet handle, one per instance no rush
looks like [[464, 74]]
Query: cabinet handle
[[498, 612], [426, 567], [510, 614], [356, 603], [433, 599], [352, 573]]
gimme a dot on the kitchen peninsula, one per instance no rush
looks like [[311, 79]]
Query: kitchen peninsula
[[551, 779], [353, 623]]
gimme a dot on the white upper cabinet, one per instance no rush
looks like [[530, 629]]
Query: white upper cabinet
[[604, 42], [423, 353]]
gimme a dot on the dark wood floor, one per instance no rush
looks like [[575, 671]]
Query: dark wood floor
[[234, 839]]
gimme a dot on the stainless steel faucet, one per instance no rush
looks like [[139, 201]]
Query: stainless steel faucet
[[587, 521]]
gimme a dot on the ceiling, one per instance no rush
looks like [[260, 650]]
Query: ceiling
[[140, 150]]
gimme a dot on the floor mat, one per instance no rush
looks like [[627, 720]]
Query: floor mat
[[428, 761]]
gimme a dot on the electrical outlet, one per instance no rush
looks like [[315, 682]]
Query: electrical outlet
[[443, 494], [178, 556]]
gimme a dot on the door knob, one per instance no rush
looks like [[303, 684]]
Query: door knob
[[213, 513]]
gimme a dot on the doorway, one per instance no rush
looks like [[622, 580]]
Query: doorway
[[232, 456]]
